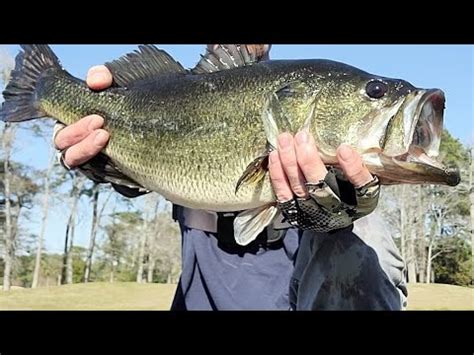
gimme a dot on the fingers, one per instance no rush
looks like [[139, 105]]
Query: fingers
[[99, 77], [87, 148], [83, 140], [280, 183], [287, 154], [76, 132], [308, 158], [297, 161], [352, 166]]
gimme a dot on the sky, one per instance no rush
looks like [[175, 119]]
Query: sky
[[447, 67]]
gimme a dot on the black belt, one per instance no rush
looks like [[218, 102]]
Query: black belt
[[222, 223]]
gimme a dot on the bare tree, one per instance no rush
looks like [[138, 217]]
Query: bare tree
[[403, 223], [443, 218], [420, 251], [141, 253], [96, 217], [113, 262], [409, 231], [150, 203], [112, 234], [471, 197], [44, 221], [7, 139], [151, 257], [90, 250], [77, 185], [159, 228], [6, 63], [402, 205], [167, 247]]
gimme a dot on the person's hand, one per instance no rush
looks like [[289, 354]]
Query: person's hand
[[310, 196], [84, 139]]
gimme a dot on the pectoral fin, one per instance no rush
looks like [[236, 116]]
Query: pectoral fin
[[101, 169], [254, 173], [250, 223]]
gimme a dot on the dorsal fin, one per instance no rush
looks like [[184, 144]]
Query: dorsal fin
[[142, 64], [225, 56]]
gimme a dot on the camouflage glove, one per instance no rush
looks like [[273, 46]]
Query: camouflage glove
[[333, 203]]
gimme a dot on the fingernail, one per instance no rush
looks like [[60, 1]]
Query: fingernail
[[97, 69], [94, 71], [345, 152], [284, 140], [95, 123], [101, 138], [97, 75], [98, 78], [302, 137]]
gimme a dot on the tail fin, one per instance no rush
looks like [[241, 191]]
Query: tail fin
[[20, 100]]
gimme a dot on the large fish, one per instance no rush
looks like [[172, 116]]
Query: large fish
[[201, 137]]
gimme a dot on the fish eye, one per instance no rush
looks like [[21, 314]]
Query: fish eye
[[376, 89]]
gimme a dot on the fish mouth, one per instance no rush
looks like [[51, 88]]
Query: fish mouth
[[423, 137]]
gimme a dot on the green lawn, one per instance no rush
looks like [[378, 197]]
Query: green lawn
[[133, 296], [91, 296], [440, 297]]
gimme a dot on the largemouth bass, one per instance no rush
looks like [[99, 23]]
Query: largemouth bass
[[201, 137]]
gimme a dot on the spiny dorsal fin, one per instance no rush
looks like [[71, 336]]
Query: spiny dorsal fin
[[226, 56], [142, 64]]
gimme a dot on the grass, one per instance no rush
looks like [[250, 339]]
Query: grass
[[91, 296], [440, 297], [133, 296]]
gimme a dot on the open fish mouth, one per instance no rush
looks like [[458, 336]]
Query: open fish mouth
[[425, 137]]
